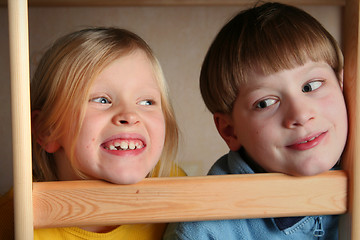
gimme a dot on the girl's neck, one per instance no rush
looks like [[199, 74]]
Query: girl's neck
[[99, 229]]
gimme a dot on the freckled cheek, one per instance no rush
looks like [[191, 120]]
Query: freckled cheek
[[85, 142], [87, 135], [250, 133], [88, 146], [259, 127], [266, 132], [262, 134]]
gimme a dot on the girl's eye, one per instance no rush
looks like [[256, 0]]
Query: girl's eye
[[311, 86], [102, 100], [146, 102], [266, 103]]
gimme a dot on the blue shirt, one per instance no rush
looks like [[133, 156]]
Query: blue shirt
[[298, 228]]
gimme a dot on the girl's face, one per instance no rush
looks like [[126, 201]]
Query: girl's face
[[293, 121], [122, 135]]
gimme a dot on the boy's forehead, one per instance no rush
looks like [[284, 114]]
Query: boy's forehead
[[256, 79]]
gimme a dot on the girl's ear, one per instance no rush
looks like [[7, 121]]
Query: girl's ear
[[49, 147], [225, 127]]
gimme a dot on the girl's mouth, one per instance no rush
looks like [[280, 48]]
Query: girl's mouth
[[123, 144]]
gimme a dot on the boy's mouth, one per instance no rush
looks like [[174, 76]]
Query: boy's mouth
[[309, 142], [123, 144]]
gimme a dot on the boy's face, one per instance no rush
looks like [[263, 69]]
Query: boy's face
[[122, 136], [293, 121]]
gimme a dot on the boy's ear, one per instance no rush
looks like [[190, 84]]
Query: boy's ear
[[49, 147], [225, 127]]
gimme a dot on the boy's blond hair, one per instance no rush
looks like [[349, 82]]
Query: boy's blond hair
[[266, 39], [60, 89]]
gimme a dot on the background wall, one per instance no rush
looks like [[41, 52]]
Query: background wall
[[179, 36]]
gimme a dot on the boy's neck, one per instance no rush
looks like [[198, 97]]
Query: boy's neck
[[252, 164]]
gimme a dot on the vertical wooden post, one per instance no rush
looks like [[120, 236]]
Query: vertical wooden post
[[20, 102], [352, 93]]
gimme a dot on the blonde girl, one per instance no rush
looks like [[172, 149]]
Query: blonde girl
[[100, 110]]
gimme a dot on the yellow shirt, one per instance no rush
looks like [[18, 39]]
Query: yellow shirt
[[133, 232], [7, 216]]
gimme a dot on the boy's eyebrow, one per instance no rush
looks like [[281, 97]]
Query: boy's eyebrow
[[247, 92], [253, 86]]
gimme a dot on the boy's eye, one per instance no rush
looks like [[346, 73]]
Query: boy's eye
[[102, 100], [146, 102], [311, 86], [266, 103]]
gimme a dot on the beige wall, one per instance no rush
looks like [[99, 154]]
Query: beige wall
[[179, 36]]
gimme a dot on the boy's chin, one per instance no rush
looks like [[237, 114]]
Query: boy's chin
[[312, 171]]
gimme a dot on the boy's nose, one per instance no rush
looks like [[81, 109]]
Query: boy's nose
[[298, 113]]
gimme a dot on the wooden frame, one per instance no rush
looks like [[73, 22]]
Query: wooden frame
[[352, 96], [323, 194], [188, 199], [20, 96], [96, 3]]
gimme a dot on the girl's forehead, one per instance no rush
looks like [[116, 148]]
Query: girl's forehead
[[133, 69]]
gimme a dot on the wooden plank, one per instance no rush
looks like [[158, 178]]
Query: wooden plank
[[79, 203], [351, 161], [21, 129], [97, 3]]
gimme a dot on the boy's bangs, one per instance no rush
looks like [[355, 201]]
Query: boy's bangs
[[287, 50], [285, 39]]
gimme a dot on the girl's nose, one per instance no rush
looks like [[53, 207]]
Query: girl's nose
[[298, 113], [126, 118]]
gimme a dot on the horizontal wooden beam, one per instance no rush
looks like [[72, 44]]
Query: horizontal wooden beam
[[98, 3], [79, 203]]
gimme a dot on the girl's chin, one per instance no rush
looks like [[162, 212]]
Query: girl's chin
[[126, 180]]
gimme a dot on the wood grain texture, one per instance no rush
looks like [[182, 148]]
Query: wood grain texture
[[351, 158], [60, 204], [21, 129], [52, 3]]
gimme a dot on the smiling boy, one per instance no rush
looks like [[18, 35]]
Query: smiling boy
[[272, 79], [292, 121]]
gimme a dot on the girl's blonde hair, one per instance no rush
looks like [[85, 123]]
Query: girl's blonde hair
[[60, 88], [267, 38]]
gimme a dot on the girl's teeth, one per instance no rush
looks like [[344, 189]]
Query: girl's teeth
[[125, 145]]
